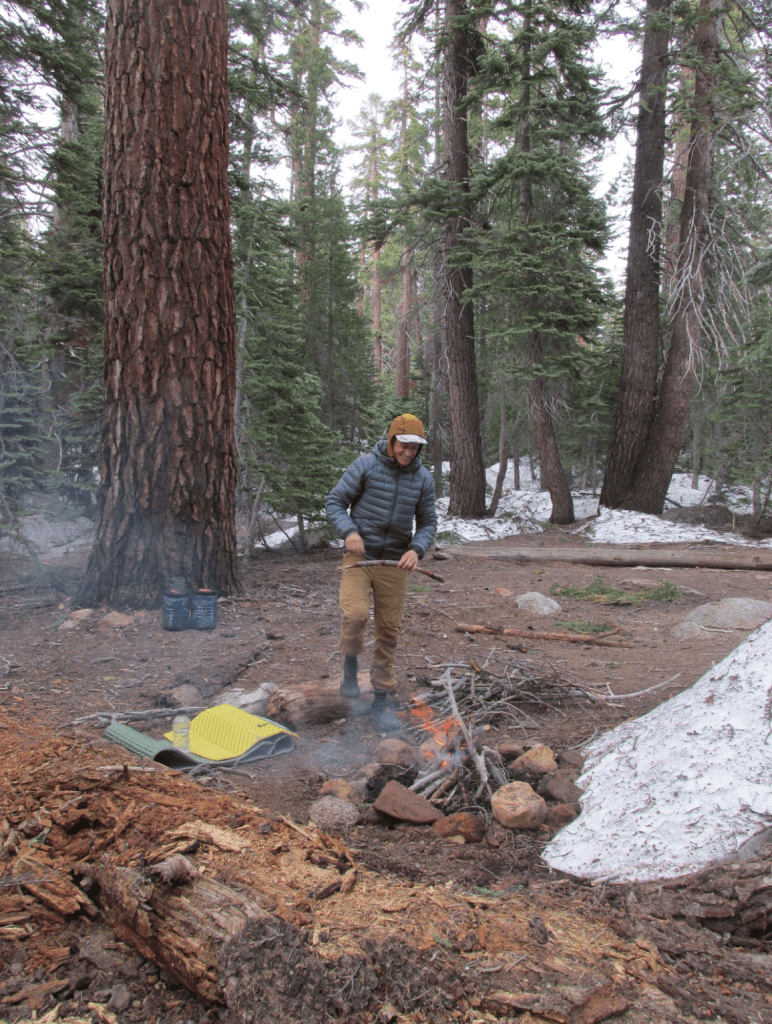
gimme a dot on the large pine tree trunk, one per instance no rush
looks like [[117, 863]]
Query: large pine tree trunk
[[638, 380], [168, 461], [467, 472], [657, 463]]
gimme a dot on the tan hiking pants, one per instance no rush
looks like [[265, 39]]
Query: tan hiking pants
[[388, 585]]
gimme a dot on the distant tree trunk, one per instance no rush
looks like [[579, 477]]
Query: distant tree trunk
[[168, 460], [402, 348], [551, 471], [439, 389], [503, 458], [658, 461], [696, 448], [467, 472], [551, 468], [377, 329], [439, 362], [677, 185], [638, 379]]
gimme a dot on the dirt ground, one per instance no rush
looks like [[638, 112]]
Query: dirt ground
[[57, 687]]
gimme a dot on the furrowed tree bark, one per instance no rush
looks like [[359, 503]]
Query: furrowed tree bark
[[467, 471], [168, 461], [640, 331], [657, 462]]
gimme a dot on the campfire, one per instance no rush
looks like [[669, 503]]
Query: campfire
[[451, 718]]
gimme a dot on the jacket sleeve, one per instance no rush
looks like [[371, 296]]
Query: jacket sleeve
[[425, 517], [344, 494]]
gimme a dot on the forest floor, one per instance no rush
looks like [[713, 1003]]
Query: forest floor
[[612, 946]]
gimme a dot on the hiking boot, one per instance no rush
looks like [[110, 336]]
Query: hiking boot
[[349, 687], [383, 717]]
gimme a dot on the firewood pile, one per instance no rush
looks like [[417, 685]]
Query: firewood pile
[[504, 696], [460, 703]]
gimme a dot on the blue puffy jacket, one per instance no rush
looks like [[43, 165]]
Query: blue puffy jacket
[[379, 499]]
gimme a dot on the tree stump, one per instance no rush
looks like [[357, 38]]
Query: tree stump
[[318, 702]]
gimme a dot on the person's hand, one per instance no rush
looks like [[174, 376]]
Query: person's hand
[[409, 560], [355, 544]]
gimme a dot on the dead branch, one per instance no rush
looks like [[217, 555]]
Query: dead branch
[[532, 634], [477, 757], [641, 693]]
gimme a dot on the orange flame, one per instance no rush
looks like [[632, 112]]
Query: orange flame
[[441, 732]]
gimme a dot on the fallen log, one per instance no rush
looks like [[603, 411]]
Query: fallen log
[[760, 559], [730, 898], [180, 928], [532, 634]]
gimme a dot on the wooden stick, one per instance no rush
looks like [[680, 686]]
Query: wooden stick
[[393, 562], [640, 693], [532, 634], [478, 759]]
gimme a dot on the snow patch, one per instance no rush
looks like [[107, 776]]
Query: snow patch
[[682, 787]]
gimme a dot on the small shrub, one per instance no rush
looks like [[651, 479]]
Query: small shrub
[[664, 591], [580, 626], [598, 592]]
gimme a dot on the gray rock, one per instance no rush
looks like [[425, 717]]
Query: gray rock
[[120, 998], [396, 751], [187, 696], [687, 630], [731, 613], [570, 757], [560, 788], [516, 805], [253, 701], [49, 536], [331, 814], [559, 815], [537, 604], [511, 749]]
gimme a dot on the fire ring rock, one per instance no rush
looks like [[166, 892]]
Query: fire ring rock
[[331, 814], [537, 761], [517, 806], [399, 802], [396, 751]]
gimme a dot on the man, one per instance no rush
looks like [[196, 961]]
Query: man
[[373, 507]]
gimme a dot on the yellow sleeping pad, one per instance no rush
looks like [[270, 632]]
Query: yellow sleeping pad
[[228, 733]]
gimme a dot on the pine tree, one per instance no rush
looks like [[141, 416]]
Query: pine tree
[[168, 465], [536, 252]]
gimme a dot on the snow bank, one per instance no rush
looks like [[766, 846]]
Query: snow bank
[[683, 786], [527, 511]]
